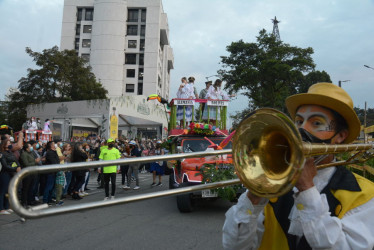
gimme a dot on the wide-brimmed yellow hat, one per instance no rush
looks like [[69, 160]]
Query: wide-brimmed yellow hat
[[330, 96]]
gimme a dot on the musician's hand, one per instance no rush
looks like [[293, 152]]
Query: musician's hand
[[253, 198], [305, 180]]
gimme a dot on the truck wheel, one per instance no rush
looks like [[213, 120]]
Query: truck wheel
[[184, 203]]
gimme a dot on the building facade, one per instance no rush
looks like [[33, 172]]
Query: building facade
[[126, 42]]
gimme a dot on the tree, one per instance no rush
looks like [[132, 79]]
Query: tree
[[268, 71], [369, 116], [60, 76]]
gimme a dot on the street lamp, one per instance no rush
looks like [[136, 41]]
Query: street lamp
[[368, 67], [207, 78], [365, 138], [340, 82]]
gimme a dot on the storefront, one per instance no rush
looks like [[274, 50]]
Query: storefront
[[130, 116]]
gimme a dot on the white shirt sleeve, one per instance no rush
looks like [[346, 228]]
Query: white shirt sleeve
[[354, 231], [224, 95], [211, 94], [243, 228]]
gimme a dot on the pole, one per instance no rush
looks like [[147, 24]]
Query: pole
[[365, 137], [340, 83]]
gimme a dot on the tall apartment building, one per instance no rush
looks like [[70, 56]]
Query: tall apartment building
[[126, 42]]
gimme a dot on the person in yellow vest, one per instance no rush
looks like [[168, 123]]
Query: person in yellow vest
[[110, 172], [331, 208]]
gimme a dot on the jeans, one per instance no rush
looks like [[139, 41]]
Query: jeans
[[4, 184], [133, 168], [87, 178], [110, 177], [124, 170], [68, 180], [79, 180], [47, 195], [35, 189], [27, 190]]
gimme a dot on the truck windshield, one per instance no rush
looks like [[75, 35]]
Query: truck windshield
[[198, 145]]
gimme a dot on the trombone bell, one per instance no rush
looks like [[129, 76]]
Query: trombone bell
[[267, 153]]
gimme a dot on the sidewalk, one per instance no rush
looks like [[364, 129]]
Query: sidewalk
[[95, 194]]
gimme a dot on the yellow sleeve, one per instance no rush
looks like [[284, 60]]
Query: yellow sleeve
[[101, 154]]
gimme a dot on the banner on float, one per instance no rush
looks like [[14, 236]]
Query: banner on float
[[217, 103], [184, 102]]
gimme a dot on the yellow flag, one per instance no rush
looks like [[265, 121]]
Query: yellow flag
[[114, 127]]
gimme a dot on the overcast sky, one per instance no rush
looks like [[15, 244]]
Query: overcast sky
[[341, 33]]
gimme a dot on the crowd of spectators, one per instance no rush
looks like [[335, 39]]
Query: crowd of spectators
[[52, 188]]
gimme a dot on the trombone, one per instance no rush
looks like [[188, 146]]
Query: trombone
[[268, 155]]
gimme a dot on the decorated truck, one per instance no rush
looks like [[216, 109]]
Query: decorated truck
[[197, 136]]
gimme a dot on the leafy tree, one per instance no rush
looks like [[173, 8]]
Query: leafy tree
[[268, 71], [60, 76], [369, 116], [312, 78]]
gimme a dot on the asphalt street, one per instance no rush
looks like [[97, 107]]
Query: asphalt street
[[149, 224]]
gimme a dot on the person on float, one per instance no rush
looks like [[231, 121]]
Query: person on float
[[185, 91], [214, 93]]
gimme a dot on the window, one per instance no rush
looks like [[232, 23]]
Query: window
[[132, 30], [87, 28], [130, 59], [143, 16], [77, 43], [141, 59], [79, 14], [78, 29], [140, 88], [142, 44], [86, 57], [142, 30], [86, 43], [130, 73], [132, 44], [141, 73], [133, 15], [89, 15], [130, 88]]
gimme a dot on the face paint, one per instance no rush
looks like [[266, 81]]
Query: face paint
[[315, 123]]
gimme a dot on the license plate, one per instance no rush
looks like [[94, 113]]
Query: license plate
[[208, 194]]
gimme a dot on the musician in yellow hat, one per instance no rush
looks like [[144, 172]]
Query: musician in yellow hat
[[331, 208]]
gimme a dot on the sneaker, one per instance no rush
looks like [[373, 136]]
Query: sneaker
[[126, 187], [36, 198], [159, 184], [10, 210], [81, 194], [112, 197], [85, 193], [60, 203], [4, 212], [153, 184], [106, 198], [136, 187]]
